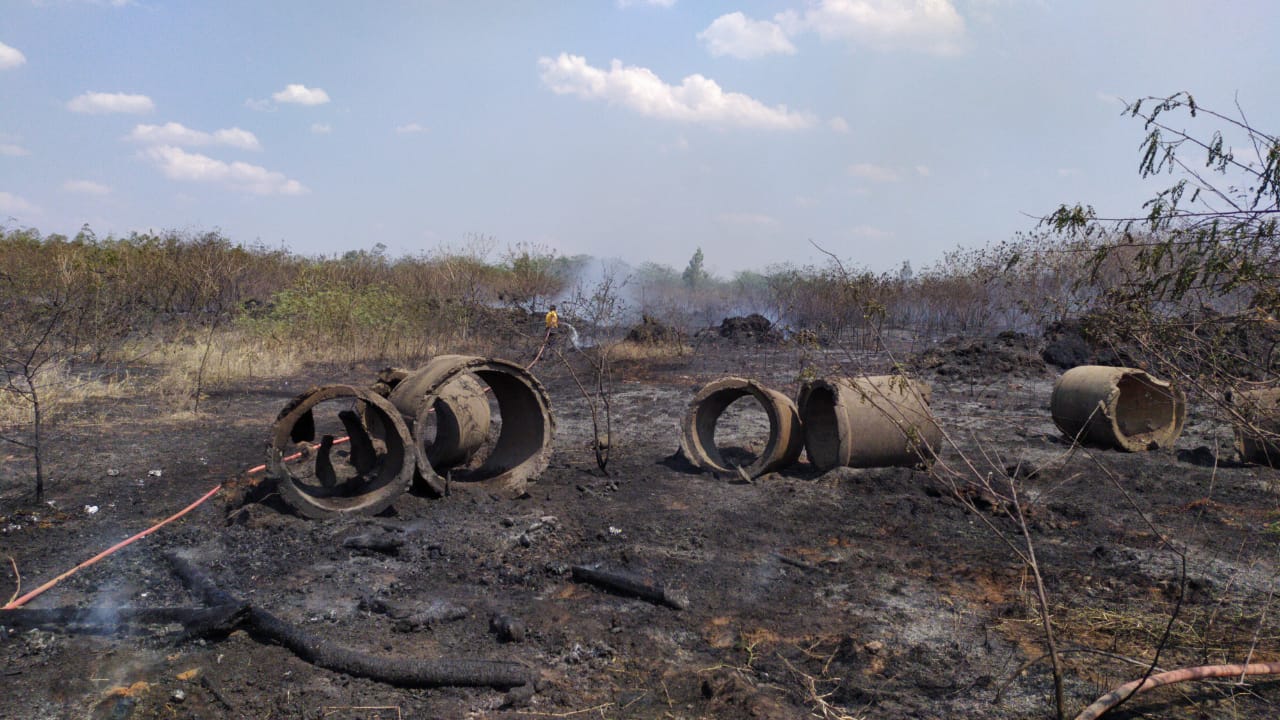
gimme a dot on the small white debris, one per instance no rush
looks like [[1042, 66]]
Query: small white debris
[[179, 696], [154, 473], [614, 530], [113, 472], [91, 509]]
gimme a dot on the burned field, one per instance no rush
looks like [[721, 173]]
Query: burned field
[[878, 592]]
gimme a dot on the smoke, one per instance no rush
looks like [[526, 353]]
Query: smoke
[[573, 335]]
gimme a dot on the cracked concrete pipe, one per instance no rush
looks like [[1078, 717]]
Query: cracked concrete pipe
[[522, 449], [1258, 438], [372, 478], [1116, 407], [877, 421], [461, 414], [697, 431]]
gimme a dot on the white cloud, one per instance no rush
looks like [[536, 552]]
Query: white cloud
[[752, 219], [925, 25], [10, 203], [874, 173], [1110, 98], [321, 128], [923, 171], [177, 134], [301, 95], [838, 124], [86, 187], [1068, 172], [96, 103], [178, 164], [411, 129], [805, 201], [12, 150], [738, 36], [870, 233], [679, 145], [10, 57], [695, 100]]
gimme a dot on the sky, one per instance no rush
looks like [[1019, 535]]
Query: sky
[[882, 131]]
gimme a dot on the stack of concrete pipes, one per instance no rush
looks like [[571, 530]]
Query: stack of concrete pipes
[[850, 422], [411, 428], [886, 421]]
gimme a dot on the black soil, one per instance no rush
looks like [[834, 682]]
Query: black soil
[[855, 593]]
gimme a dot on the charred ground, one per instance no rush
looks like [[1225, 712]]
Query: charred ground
[[859, 593]]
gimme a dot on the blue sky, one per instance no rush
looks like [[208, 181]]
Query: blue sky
[[881, 130]]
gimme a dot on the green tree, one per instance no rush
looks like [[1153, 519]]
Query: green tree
[[694, 275]]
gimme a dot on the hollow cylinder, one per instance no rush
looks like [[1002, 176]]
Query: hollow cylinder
[[876, 421], [1258, 429], [461, 410], [392, 469], [522, 449], [1115, 407], [698, 429]]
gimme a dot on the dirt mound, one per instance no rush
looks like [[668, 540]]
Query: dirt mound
[[1071, 343], [1246, 346], [1008, 353], [652, 332], [752, 328]]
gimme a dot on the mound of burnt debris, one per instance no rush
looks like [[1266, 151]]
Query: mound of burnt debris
[[753, 328], [651, 331], [1009, 353], [1079, 341]]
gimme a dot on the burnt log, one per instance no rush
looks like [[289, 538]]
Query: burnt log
[[627, 584], [265, 626]]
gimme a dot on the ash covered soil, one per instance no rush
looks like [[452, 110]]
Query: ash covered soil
[[855, 593]]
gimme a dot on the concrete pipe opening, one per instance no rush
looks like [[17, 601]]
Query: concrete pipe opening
[[361, 476], [1122, 408], [879, 421], [1258, 436], [454, 427], [517, 429], [698, 431]]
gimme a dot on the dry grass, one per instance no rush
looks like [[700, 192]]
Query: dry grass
[[225, 356], [61, 391], [627, 351]]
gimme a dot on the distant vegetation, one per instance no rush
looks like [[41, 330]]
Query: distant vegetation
[[78, 313]]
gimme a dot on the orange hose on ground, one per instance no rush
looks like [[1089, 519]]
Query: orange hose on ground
[[1113, 698], [26, 598]]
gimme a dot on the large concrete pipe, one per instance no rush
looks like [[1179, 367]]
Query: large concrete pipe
[[878, 421], [1121, 408], [698, 430], [460, 414], [373, 475], [1258, 438], [523, 446]]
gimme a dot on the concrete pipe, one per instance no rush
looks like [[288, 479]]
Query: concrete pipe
[[372, 476], [1258, 438], [698, 430], [879, 421], [458, 419], [523, 446], [1121, 408]]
